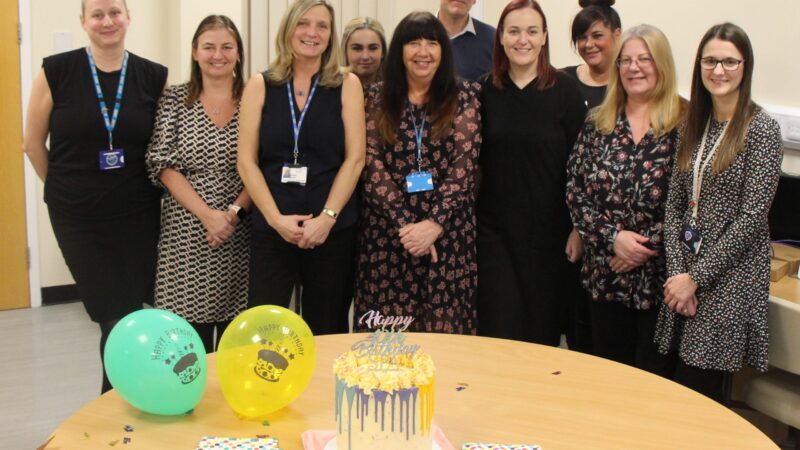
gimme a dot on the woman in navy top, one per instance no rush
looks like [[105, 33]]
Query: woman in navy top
[[301, 151]]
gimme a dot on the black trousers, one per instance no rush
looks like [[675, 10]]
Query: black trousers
[[709, 382], [577, 325], [323, 272], [625, 335]]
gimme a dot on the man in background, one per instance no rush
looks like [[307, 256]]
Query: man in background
[[473, 40]]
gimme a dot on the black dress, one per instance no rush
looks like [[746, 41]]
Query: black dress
[[106, 222], [523, 222], [592, 95]]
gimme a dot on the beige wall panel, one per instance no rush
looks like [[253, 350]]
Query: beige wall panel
[[259, 36], [368, 8]]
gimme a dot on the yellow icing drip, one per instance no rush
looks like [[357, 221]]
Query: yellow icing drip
[[426, 407]]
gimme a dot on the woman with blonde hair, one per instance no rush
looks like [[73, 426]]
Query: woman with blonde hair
[[717, 238], [301, 151], [618, 175], [364, 48]]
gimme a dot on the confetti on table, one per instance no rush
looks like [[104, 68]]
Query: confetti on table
[[462, 384], [460, 388], [128, 429], [475, 446], [85, 435], [262, 436], [229, 443], [113, 443], [126, 440], [557, 372], [265, 423]]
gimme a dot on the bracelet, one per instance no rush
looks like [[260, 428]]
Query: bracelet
[[330, 213]]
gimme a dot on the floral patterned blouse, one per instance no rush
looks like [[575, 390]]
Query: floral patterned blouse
[[614, 184]]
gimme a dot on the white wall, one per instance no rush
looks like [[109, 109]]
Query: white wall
[[162, 30]]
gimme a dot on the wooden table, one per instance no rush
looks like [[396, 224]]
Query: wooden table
[[516, 393]]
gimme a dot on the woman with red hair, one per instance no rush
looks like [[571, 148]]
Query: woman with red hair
[[531, 117]]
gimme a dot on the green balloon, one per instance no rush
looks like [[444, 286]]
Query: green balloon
[[156, 362]]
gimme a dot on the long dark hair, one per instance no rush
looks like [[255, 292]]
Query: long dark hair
[[443, 93], [545, 71], [196, 78], [594, 11], [701, 107]]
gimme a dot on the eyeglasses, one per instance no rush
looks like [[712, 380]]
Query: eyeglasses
[[710, 63], [641, 61]]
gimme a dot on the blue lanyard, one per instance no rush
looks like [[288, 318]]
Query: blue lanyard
[[112, 122], [418, 130], [295, 124]]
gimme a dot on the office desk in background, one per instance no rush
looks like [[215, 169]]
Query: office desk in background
[[515, 393]]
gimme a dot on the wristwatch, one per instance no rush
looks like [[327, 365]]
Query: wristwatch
[[241, 213], [330, 213]]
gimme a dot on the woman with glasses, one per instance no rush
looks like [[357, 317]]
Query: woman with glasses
[[618, 175], [717, 240], [531, 116]]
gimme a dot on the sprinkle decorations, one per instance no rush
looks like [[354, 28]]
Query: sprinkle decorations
[[265, 423], [126, 440], [461, 386], [128, 429], [230, 443], [557, 372]]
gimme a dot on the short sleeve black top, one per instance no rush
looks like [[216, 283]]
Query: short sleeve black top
[[592, 95], [322, 150], [75, 184]]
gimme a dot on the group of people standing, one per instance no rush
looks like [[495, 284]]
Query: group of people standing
[[454, 176]]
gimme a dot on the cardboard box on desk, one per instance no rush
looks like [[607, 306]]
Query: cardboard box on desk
[[778, 269], [791, 255]]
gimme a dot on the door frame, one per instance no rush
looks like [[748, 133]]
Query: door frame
[[31, 180]]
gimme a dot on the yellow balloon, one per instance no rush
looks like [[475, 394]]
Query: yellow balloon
[[265, 360]]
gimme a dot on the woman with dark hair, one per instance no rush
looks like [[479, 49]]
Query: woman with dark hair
[[203, 249], [417, 246], [595, 31], [531, 115], [301, 152], [364, 48], [618, 175], [717, 238], [96, 104]]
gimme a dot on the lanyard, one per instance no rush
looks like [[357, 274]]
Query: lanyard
[[295, 124], [112, 122], [700, 166], [418, 130]]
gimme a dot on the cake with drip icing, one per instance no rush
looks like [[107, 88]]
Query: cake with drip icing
[[384, 395]]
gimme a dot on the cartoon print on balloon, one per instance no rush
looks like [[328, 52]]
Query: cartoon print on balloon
[[177, 351], [280, 347]]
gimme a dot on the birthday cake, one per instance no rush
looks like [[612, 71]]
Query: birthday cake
[[384, 395]]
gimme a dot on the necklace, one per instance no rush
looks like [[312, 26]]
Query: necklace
[[300, 93]]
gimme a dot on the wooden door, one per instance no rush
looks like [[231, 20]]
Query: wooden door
[[13, 238]]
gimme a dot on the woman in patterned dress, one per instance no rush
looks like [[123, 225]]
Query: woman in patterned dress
[[727, 170], [619, 171], [417, 245], [203, 250]]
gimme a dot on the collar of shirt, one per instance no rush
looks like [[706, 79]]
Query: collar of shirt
[[470, 28]]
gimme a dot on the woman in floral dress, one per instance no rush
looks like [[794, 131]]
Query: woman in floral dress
[[619, 172], [417, 244]]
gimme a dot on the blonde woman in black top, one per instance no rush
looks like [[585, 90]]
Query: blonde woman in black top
[[717, 239], [301, 151]]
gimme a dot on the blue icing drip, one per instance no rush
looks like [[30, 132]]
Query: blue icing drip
[[380, 399], [364, 406], [340, 387], [350, 392]]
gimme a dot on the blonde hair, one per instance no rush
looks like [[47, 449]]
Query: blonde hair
[[666, 108], [83, 7], [363, 23], [280, 70]]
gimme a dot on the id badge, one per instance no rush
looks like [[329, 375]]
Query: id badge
[[294, 173], [111, 159], [691, 238], [419, 182]]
